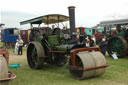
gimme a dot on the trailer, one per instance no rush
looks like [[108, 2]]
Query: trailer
[[9, 36], [25, 35]]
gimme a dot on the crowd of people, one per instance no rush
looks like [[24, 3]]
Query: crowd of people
[[90, 41], [18, 46]]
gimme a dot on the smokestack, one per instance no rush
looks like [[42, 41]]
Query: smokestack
[[72, 19]]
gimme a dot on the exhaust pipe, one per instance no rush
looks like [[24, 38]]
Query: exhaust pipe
[[72, 19]]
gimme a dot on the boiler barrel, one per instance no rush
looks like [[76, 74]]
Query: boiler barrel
[[3, 71], [88, 60]]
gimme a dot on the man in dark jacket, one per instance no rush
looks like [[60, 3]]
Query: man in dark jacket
[[103, 45]]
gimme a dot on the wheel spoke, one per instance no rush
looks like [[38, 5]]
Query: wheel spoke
[[34, 55], [116, 45]]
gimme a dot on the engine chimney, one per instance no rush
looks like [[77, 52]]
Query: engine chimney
[[72, 21]]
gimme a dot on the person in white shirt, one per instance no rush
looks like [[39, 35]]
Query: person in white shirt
[[20, 43], [94, 39], [16, 47], [87, 42]]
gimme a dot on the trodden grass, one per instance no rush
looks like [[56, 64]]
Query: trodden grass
[[116, 74]]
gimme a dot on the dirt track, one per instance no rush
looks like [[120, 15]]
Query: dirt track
[[14, 58]]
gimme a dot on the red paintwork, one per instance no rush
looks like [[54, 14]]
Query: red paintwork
[[75, 51]]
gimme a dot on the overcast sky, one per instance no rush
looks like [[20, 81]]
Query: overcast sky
[[88, 12]]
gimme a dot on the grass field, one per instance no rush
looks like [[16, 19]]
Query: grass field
[[1, 44], [116, 74]]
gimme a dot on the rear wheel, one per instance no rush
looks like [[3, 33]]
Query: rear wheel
[[35, 53], [118, 46]]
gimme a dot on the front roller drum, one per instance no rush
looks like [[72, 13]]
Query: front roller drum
[[88, 64]]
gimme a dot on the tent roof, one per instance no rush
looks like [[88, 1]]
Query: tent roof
[[112, 22]]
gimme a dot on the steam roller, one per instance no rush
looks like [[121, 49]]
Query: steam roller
[[55, 45]]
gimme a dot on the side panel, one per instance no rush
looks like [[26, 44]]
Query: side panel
[[53, 40], [7, 37], [88, 31], [29, 31], [100, 30], [24, 35]]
